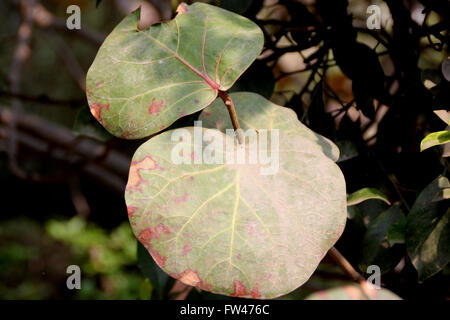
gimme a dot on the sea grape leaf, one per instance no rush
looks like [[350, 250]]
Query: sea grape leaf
[[226, 228], [141, 81], [366, 194], [254, 111], [365, 291], [428, 230]]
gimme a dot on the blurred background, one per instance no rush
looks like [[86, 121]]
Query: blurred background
[[370, 90]]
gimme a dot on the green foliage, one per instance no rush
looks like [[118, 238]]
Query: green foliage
[[435, 139], [376, 249], [104, 257], [311, 52], [428, 230], [440, 137], [366, 194]]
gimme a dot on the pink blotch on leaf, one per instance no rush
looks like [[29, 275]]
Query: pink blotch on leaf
[[131, 210], [186, 249], [134, 176], [255, 292], [240, 289], [181, 199], [155, 106], [97, 109]]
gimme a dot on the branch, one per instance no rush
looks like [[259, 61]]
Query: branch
[[21, 54], [108, 166]]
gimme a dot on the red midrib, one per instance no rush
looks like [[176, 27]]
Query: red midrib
[[211, 83]]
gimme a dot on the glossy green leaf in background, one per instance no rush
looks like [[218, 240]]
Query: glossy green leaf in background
[[141, 81], [366, 194], [435, 139], [428, 230], [226, 228], [376, 249]]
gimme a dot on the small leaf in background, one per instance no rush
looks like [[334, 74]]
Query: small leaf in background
[[347, 150], [396, 233], [446, 69], [204, 224], [428, 230], [353, 291], [141, 81], [158, 278], [145, 290], [435, 139], [366, 194], [86, 125], [375, 247], [444, 115]]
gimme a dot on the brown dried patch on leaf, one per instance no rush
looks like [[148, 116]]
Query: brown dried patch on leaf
[[131, 210], [159, 230], [155, 106], [160, 260], [182, 8], [190, 278], [240, 290], [134, 176], [255, 294], [96, 110], [145, 237]]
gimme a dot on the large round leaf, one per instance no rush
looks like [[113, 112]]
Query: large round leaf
[[141, 81], [227, 228], [353, 291]]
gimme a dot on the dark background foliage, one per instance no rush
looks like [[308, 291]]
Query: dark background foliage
[[373, 92]]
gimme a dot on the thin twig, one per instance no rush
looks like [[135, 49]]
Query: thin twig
[[21, 54], [345, 265], [61, 137]]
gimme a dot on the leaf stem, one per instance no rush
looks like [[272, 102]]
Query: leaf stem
[[233, 115], [345, 265]]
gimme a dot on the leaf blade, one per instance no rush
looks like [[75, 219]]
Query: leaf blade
[[366, 194], [141, 81], [204, 224], [435, 139]]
